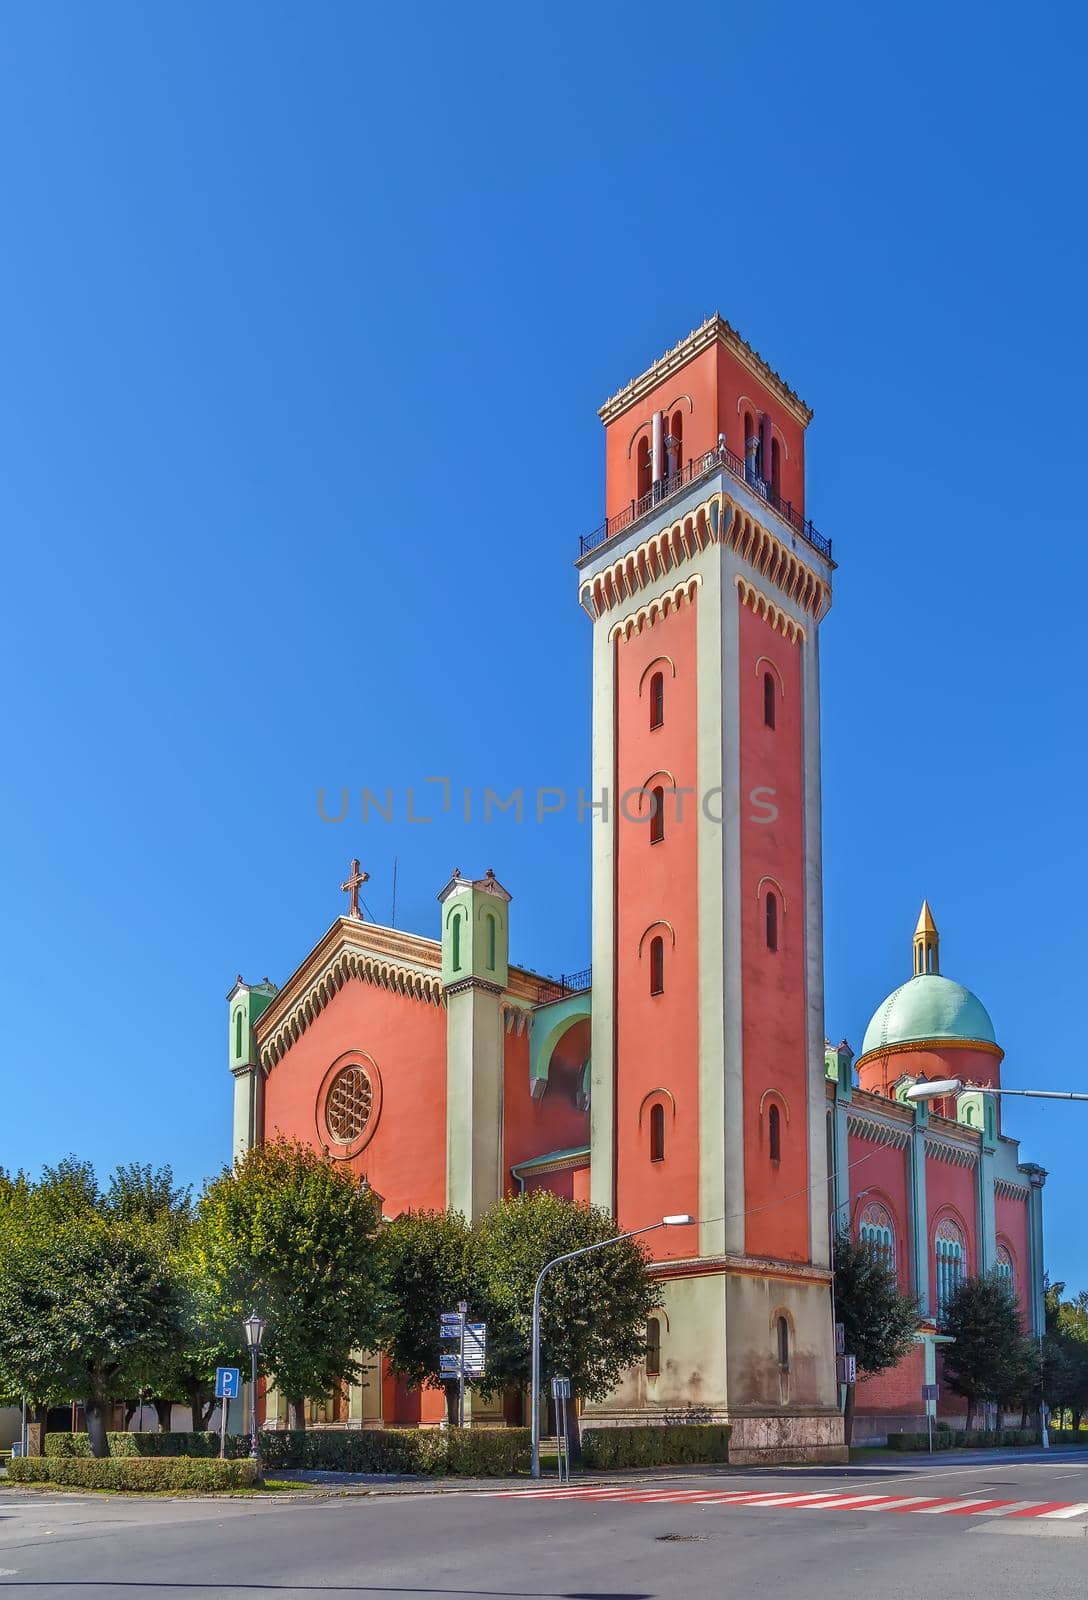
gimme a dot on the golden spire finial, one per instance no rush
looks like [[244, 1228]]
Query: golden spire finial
[[927, 943]]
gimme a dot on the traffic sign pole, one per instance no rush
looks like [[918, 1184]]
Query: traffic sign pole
[[462, 1306]]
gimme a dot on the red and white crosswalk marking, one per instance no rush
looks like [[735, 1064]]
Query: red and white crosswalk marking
[[820, 1500]]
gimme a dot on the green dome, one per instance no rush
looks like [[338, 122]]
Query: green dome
[[928, 1007]]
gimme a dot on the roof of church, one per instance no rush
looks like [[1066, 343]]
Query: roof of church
[[928, 1008]]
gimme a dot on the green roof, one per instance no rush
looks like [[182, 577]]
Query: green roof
[[928, 1007]]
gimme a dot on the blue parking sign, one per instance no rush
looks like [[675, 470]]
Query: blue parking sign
[[227, 1383]]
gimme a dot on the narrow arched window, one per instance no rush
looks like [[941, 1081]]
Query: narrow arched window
[[776, 466], [676, 428], [657, 700], [749, 447], [783, 1329], [657, 965], [657, 1133], [770, 699], [490, 941], [238, 1035], [771, 915], [774, 1133], [657, 814], [643, 468], [455, 941], [653, 1347]]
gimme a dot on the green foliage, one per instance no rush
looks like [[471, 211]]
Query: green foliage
[[1065, 1355], [991, 1357], [427, 1267], [945, 1438], [138, 1444], [134, 1473], [293, 1235], [672, 1445], [878, 1320], [593, 1310], [477, 1452]]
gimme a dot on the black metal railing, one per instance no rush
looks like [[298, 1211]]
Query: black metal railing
[[697, 468], [566, 983]]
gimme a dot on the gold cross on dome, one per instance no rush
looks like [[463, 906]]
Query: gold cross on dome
[[351, 886]]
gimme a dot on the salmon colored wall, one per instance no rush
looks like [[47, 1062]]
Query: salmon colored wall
[[580, 1185], [537, 1127], [950, 1187], [719, 388], [405, 1160], [658, 1035], [878, 1073], [884, 1170], [773, 1010], [897, 1391], [1012, 1231]]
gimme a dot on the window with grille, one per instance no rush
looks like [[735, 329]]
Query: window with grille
[[653, 1347], [877, 1231], [951, 1261], [1003, 1269]]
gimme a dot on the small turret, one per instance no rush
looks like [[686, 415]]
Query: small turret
[[475, 931], [927, 943]]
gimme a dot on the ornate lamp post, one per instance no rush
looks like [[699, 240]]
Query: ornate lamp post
[[254, 1327]]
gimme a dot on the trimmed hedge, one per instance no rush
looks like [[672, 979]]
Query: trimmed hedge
[[669, 1445], [977, 1439], [133, 1473], [469, 1452]]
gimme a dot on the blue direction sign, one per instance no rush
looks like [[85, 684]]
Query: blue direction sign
[[449, 1365], [450, 1324], [227, 1383]]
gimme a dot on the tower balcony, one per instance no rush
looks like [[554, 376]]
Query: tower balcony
[[703, 467]]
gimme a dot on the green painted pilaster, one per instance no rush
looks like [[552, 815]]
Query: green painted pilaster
[[246, 1002], [919, 1210]]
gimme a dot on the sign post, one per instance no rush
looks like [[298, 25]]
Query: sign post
[[470, 1357], [930, 1394], [561, 1394], [227, 1386]]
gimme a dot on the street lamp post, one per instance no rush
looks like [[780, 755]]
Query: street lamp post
[[679, 1221], [254, 1327]]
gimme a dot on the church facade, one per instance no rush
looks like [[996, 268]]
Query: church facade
[[687, 1071]]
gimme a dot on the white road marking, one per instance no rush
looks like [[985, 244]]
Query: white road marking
[[1066, 1511], [952, 1505], [1004, 1511], [844, 1500]]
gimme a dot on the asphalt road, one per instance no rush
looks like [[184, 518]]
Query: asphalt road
[[952, 1528]]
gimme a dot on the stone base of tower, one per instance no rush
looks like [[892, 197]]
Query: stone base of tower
[[723, 1358]]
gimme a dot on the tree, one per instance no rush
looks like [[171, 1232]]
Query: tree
[[427, 1269], [593, 1310], [292, 1235], [878, 1320], [990, 1357]]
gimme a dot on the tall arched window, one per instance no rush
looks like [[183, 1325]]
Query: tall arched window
[[877, 1231], [455, 940], [238, 1034], [491, 941], [657, 814], [657, 965], [657, 1133], [776, 466], [644, 468], [657, 700], [774, 1133], [749, 446], [770, 699], [676, 428], [951, 1262], [1003, 1268], [782, 1328], [653, 1347], [771, 915]]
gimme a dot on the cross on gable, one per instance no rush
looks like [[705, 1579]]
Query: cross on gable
[[351, 886]]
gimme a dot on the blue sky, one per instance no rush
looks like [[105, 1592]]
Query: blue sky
[[306, 313]]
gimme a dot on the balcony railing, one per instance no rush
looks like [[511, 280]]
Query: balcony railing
[[566, 983], [699, 467]]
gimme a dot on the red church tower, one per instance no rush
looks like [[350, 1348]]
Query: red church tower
[[706, 586]]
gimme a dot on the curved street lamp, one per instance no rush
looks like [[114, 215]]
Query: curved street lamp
[[253, 1327], [942, 1086]]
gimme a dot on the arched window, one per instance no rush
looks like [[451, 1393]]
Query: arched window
[[771, 915], [657, 965], [676, 429], [657, 1133], [657, 700], [657, 814], [776, 466], [877, 1231], [238, 1034], [782, 1328], [455, 940], [1003, 1268], [774, 1133], [749, 447], [770, 699], [951, 1262], [653, 1347], [644, 468], [491, 935]]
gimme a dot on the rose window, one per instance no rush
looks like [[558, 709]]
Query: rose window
[[347, 1110]]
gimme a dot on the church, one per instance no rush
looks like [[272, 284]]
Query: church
[[687, 1070]]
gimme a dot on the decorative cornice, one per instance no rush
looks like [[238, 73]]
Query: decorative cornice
[[472, 983], [759, 603], [903, 1045], [1010, 1191], [719, 519], [516, 1019], [569, 1163], [958, 1155], [657, 608], [740, 1266], [877, 1131], [715, 330]]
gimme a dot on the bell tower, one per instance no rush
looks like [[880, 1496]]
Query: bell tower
[[706, 586]]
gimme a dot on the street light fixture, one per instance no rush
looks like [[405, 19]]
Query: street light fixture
[[253, 1328], [677, 1220], [942, 1086]]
